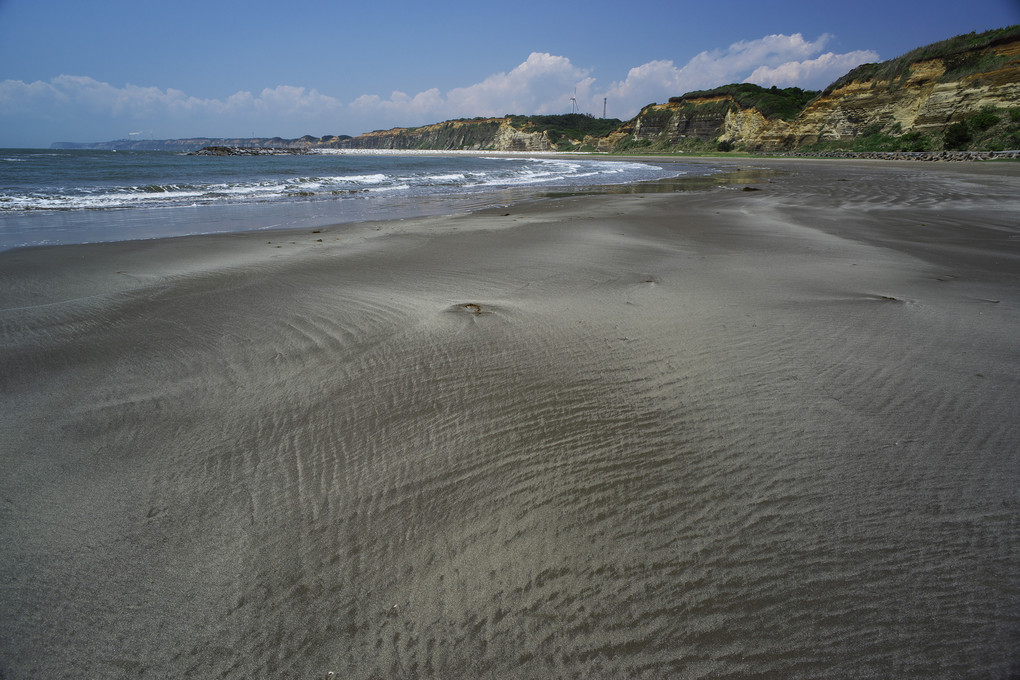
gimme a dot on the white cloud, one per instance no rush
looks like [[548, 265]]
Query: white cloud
[[816, 72], [287, 99], [775, 59], [88, 94], [77, 97], [744, 55], [17, 96], [654, 81], [400, 103], [543, 83]]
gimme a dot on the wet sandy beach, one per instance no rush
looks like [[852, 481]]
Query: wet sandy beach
[[700, 434]]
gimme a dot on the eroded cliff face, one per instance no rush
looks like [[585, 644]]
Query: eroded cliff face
[[509, 138], [488, 134], [674, 123], [921, 101], [744, 124]]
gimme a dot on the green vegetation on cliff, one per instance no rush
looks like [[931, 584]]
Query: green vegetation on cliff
[[962, 55], [565, 132], [772, 102], [990, 129], [566, 129]]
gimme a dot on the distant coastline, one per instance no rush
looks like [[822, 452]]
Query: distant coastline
[[195, 143]]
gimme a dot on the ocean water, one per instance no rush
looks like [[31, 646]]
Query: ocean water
[[80, 196]]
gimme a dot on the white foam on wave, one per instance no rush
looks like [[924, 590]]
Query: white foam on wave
[[395, 187], [121, 199], [452, 177], [376, 178], [511, 170]]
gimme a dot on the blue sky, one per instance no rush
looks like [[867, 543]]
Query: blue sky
[[111, 69]]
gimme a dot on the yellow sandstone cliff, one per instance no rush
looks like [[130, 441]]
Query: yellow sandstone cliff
[[921, 97]]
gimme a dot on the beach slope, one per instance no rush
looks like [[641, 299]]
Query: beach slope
[[704, 434]]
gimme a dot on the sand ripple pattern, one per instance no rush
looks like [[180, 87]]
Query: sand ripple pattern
[[586, 446]]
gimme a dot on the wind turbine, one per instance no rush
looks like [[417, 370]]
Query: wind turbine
[[573, 102]]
